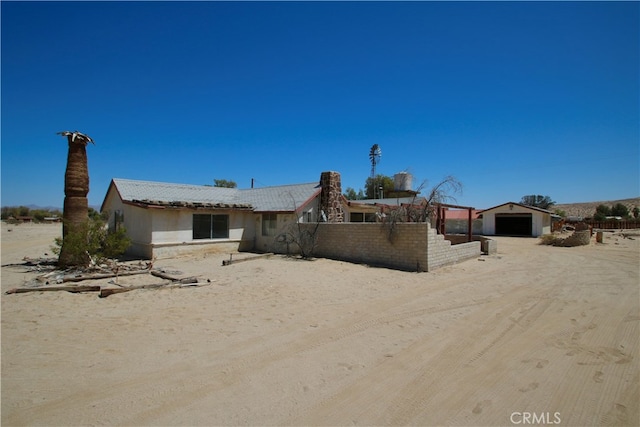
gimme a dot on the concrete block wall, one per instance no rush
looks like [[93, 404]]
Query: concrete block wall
[[487, 245], [368, 243], [441, 252], [461, 252], [414, 247]]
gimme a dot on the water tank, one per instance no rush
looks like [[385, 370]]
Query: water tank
[[402, 181]]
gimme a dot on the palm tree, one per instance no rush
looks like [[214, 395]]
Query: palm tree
[[76, 188]]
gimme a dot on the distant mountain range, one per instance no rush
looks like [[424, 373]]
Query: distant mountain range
[[51, 208], [588, 209], [48, 208]]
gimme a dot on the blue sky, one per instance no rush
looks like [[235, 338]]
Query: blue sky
[[511, 98]]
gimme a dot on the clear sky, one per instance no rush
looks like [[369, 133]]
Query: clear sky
[[511, 98]]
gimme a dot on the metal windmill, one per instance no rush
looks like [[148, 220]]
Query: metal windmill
[[374, 155]]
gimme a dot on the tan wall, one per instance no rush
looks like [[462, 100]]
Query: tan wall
[[271, 243], [415, 246], [368, 243], [441, 252], [165, 233], [487, 245], [173, 234], [165, 251]]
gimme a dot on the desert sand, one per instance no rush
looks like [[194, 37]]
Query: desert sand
[[532, 335]]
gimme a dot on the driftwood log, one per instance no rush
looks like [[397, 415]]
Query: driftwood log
[[74, 289], [172, 281], [96, 276], [251, 258], [163, 275], [105, 292], [33, 262]]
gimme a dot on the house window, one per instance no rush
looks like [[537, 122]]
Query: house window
[[118, 221], [207, 226], [269, 224], [362, 217], [357, 217]]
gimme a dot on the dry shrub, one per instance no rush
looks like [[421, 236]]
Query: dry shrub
[[577, 238], [582, 226], [550, 239]]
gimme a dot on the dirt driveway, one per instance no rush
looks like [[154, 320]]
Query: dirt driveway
[[533, 333]]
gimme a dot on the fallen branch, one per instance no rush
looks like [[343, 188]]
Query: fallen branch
[[163, 275], [74, 289], [96, 276], [251, 258], [189, 281], [33, 262], [104, 292]]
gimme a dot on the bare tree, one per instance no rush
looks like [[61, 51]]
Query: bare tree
[[304, 238], [300, 235], [76, 187], [421, 210], [443, 192]]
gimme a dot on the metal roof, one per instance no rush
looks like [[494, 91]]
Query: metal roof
[[284, 198]]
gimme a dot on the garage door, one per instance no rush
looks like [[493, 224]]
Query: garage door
[[515, 224]]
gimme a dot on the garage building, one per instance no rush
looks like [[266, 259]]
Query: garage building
[[515, 219]]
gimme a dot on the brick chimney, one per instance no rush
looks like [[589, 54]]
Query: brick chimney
[[330, 196]]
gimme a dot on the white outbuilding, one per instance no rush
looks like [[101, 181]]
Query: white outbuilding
[[515, 219]]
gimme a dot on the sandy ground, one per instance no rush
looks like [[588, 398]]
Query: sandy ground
[[532, 335]]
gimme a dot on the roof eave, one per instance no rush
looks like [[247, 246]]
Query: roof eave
[[153, 204], [112, 185], [518, 204], [315, 194]]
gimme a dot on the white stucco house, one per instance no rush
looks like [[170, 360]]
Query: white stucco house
[[515, 219], [165, 219]]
